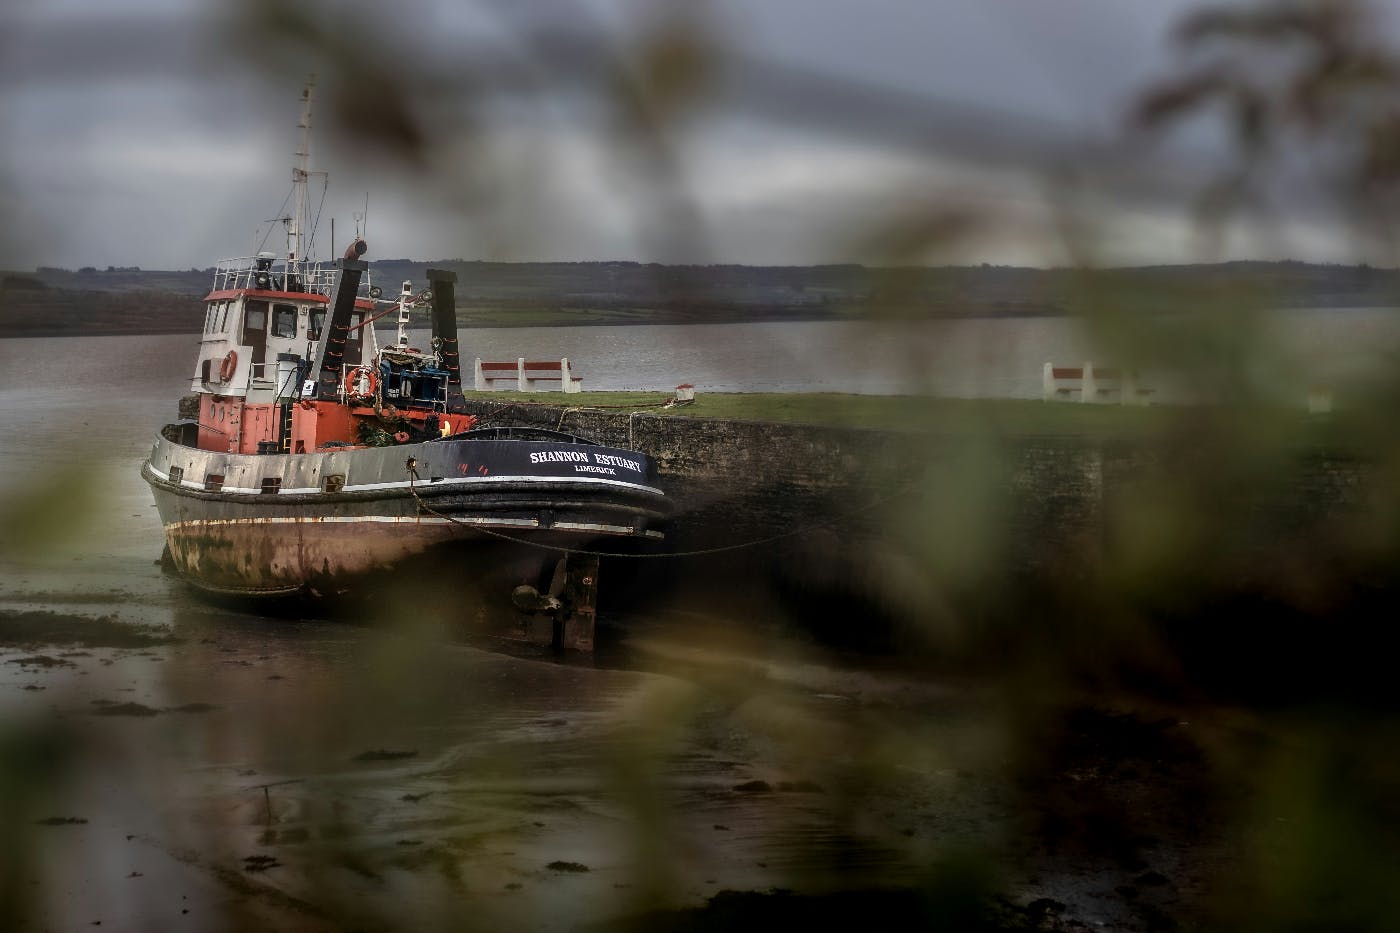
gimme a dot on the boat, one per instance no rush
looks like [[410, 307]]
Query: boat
[[320, 462]]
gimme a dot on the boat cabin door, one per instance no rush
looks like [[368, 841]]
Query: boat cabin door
[[255, 330]]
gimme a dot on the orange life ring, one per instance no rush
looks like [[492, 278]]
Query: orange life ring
[[352, 381], [229, 366]]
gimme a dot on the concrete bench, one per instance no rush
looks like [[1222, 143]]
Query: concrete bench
[[527, 375], [1087, 384]]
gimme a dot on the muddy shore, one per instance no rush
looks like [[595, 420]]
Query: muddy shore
[[231, 770]]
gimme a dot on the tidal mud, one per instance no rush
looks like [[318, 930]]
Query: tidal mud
[[391, 779]]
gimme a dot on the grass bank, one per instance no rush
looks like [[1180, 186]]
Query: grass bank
[[1006, 417], [883, 412]]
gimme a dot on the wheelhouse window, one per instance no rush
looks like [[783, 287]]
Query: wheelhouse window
[[284, 321], [222, 328], [318, 320], [353, 336], [255, 320]]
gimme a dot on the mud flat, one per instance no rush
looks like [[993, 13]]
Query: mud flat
[[226, 768]]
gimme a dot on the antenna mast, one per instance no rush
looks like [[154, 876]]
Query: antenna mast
[[296, 230]]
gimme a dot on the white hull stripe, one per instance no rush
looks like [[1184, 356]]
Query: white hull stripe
[[419, 484], [406, 520]]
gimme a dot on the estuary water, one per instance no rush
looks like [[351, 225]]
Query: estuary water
[[957, 358]]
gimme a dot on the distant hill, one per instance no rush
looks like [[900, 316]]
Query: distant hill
[[132, 301]]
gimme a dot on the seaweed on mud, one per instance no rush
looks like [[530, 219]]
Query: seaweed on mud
[[41, 660], [124, 709], [61, 821], [380, 754], [31, 627], [576, 867]]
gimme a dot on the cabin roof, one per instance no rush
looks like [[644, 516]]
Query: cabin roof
[[226, 294]]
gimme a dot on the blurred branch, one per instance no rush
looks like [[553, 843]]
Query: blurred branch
[[1292, 79]]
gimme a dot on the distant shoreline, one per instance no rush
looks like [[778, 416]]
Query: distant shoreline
[[10, 333], [561, 320], [53, 302]]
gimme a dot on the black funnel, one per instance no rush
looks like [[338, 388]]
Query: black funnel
[[338, 327], [445, 330]]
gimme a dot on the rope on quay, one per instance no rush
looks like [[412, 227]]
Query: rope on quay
[[671, 402], [411, 465]]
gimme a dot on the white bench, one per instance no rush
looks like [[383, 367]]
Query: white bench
[[527, 375], [1087, 384]]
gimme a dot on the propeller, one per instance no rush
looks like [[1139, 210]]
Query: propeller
[[528, 599]]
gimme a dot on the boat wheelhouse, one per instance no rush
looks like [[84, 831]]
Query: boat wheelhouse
[[272, 377]]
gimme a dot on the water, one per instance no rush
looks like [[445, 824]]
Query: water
[[963, 358], [981, 358]]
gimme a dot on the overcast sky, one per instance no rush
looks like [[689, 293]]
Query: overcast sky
[[162, 136]]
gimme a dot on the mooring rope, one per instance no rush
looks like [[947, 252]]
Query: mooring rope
[[671, 402], [411, 464]]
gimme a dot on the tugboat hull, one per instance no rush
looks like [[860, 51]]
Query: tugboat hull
[[310, 523]]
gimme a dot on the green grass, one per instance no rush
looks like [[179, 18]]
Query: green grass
[[884, 412]]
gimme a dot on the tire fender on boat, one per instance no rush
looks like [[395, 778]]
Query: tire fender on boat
[[229, 366]]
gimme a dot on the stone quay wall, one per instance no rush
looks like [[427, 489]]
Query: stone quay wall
[[834, 501]]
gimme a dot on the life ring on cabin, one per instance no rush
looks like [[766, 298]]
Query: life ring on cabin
[[361, 382], [229, 366]]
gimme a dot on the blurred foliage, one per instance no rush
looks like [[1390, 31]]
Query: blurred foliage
[[1177, 574], [46, 514]]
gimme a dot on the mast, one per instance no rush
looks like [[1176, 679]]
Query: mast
[[296, 230]]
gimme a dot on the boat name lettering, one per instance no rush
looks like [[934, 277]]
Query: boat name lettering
[[611, 460], [578, 456], [559, 456], [590, 468]]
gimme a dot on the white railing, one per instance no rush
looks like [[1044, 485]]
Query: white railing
[[265, 273]]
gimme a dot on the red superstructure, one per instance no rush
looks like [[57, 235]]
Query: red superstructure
[[284, 369]]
